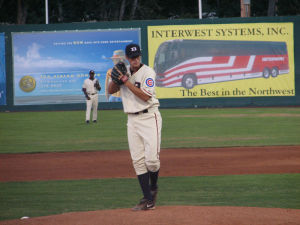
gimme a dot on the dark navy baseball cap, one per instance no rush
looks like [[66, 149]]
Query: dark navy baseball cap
[[92, 72], [133, 51]]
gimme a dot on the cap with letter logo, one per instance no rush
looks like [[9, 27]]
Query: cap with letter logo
[[133, 51]]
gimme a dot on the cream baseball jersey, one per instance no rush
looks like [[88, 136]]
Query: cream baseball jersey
[[144, 79], [89, 85]]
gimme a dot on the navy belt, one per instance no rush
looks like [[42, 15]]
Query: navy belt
[[94, 93], [141, 112]]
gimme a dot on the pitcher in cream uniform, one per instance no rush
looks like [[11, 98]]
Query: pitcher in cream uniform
[[144, 124]]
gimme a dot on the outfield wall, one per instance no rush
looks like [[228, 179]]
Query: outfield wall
[[20, 40]]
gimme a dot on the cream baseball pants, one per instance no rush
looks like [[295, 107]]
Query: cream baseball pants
[[92, 104], [144, 138]]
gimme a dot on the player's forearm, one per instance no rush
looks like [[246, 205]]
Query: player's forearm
[[84, 92], [137, 91], [113, 88]]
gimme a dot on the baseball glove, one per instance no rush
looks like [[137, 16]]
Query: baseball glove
[[119, 73], [97, 85]]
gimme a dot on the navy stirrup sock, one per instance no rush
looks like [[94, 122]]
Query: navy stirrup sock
[[144, 182], [153, 180]]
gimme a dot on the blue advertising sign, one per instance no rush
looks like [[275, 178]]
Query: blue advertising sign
[[50, 67], [2, 70]]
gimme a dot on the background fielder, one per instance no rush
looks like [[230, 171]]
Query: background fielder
[[90, 88], [144, 123]]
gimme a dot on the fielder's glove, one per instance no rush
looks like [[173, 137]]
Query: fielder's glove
[[119, 73], [97, 85]]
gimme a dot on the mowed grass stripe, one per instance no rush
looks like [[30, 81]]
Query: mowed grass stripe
[[55, 197], [31, 132]]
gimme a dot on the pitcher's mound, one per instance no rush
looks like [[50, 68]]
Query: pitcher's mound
[[173, 215]]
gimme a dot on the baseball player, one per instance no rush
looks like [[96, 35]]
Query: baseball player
[[118, 56], [144, 122], [90, 88]]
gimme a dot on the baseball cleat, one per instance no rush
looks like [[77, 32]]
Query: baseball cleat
[[144, 204], [150, 205], [87, 121], [94, 121]]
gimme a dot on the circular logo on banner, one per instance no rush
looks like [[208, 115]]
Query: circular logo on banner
[[27, 83], [150, 82]]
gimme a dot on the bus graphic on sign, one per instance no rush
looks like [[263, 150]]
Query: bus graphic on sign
[[186, 63]]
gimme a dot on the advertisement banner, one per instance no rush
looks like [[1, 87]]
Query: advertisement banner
[[2, 70], [50, 67], [223, 60]]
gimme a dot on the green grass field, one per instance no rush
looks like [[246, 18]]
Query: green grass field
[[43, 198], [32, 132]]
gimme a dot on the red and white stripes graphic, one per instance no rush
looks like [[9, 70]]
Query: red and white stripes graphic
[[219, 68]]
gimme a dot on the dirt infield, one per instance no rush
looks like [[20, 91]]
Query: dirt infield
[[175, 162], [175, 215]]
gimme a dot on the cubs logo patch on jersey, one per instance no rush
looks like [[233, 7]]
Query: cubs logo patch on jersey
[[150, 82]]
